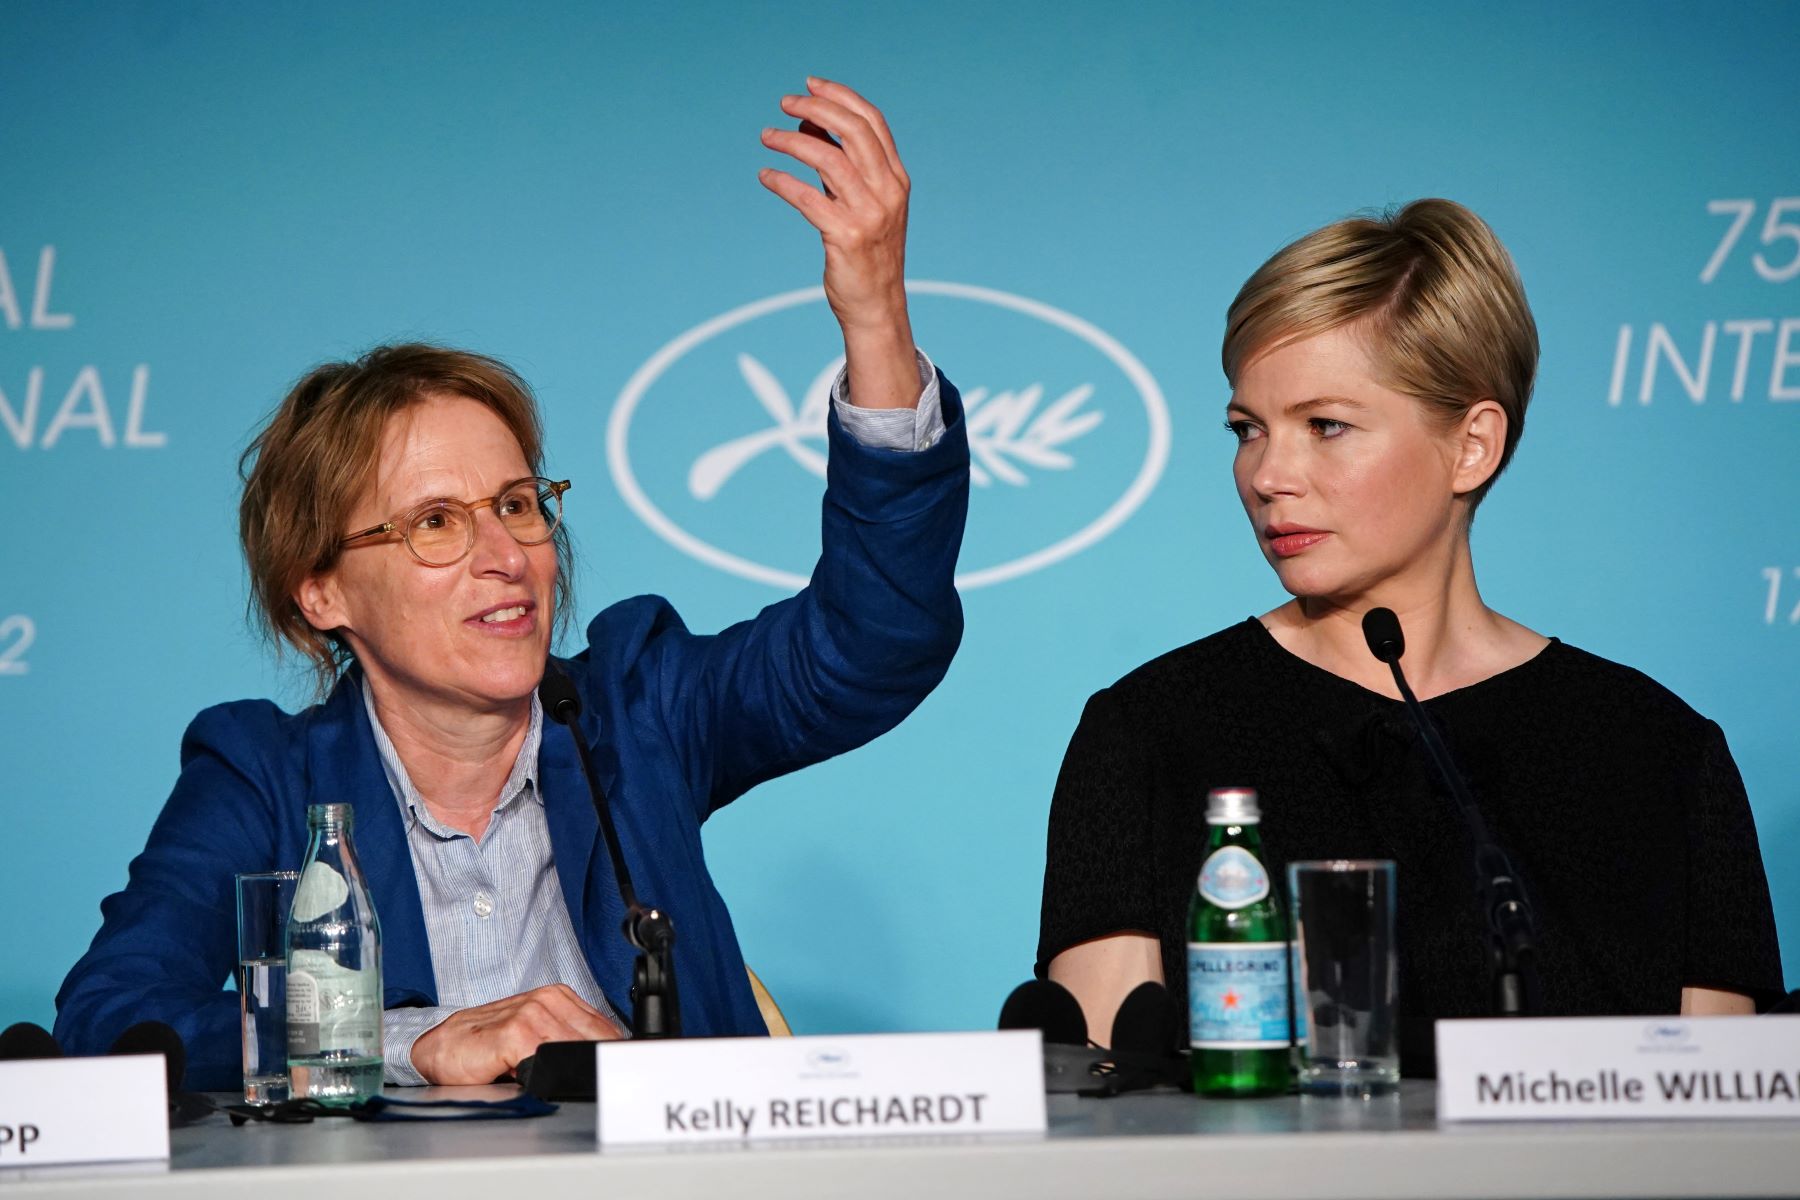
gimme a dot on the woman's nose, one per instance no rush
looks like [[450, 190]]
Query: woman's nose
[[495, 549], [1277, 470]]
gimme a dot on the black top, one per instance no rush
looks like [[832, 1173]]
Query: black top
[[1620, 806]]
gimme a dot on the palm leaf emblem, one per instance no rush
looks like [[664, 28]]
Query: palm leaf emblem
[[1008, 435]]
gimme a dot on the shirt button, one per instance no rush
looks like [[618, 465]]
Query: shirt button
[[484, 904]]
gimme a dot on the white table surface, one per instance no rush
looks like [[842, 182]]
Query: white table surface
[[1145, 1145]]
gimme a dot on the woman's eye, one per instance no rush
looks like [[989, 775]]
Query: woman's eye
[[1243, 431], [1325, 427]]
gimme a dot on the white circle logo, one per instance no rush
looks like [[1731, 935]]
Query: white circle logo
[[1044, 455]]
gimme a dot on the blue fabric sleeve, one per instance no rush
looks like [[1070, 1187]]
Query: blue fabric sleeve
[[168, 941], [852, 654]]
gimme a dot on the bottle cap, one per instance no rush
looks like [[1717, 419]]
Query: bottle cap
[[1232, 806]]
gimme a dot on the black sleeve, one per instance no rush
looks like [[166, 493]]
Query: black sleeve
[[1731, 942], [1098, 874]]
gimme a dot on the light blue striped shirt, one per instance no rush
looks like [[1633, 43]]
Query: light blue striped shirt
[[494, 911]]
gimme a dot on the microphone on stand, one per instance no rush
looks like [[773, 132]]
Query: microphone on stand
[[1512, 939], [656, 1006]]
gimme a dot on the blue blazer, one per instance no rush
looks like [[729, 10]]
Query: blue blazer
[[681, 724]]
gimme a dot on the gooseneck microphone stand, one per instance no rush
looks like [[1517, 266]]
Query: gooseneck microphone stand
[[1511, 937], [655, 1001]]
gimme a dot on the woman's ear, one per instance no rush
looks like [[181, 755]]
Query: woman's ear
[[1481, 439], [321, 601]]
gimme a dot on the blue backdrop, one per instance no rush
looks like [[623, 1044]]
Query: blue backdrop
[[202, 200]]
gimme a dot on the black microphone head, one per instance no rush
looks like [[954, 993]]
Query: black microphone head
[[1381, 629], [1148, 1021], [154, 1037], [1041, 1004], [562, 703], [26, 1040]]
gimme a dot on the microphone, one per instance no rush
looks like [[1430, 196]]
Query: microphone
[[1145, 1033], [25, 1040], [1381, 629], [154, 1037], [1148, 1022], [1511, 936], [656, 1006], [1051, 1007]]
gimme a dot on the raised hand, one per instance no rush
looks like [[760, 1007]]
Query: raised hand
[[861, 217], [481, 1044]]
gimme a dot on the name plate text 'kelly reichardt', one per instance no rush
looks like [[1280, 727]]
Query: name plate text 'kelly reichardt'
[[1618, 1068], [83, 1110], [780, 1089]]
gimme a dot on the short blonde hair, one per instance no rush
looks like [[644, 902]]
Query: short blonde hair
[[311, 463], [1433, 290]]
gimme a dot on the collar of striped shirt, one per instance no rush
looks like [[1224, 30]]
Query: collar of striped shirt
[[521, 781]]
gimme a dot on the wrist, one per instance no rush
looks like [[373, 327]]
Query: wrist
[[879, 340]]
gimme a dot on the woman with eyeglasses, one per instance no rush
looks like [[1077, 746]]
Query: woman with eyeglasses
[[401, 537]]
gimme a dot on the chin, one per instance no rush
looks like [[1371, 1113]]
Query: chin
[[1305, 581], [1316, 581], [516, 675]]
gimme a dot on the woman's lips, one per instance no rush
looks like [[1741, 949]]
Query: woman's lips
[[514, 620], [1286, 545]]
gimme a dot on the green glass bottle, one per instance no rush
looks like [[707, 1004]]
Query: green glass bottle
[[1238, 959]]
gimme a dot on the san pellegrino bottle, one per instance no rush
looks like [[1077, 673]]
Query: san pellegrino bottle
[[1238, 958], [333, 969]]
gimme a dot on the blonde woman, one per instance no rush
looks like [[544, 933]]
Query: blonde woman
[[1380, 371]]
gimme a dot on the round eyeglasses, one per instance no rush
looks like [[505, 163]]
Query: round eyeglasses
[[440, 533]]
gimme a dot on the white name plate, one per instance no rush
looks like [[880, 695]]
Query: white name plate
[[1618, 1068], [779, 1089], [83, 1110]]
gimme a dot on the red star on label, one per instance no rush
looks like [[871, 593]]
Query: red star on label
[[1230, 1000]]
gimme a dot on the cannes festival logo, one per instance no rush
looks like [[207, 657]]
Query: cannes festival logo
[[1073, 456]]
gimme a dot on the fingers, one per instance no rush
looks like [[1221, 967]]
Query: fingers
[[862, 148], [814, 207], [840, 176], [588, 1022], [479, 1044], [848, 98]]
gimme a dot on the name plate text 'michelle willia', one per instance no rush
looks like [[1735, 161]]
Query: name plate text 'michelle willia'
[[1615, 1068]]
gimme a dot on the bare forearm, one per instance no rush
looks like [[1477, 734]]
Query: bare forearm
[[882, 365]]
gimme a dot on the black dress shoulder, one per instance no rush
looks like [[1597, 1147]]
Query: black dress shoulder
[[1621, 807]]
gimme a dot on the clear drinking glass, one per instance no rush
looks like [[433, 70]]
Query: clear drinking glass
[[1349, 983], [263, 902]]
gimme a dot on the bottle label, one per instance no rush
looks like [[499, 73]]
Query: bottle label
[[302, 1015], [332, 1008], [1238, 995], [1232, 877]]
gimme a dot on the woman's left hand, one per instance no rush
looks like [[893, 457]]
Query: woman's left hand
[[861, 217]]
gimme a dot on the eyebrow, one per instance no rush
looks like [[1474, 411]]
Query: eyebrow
[[1300, 407], [440, 496]]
